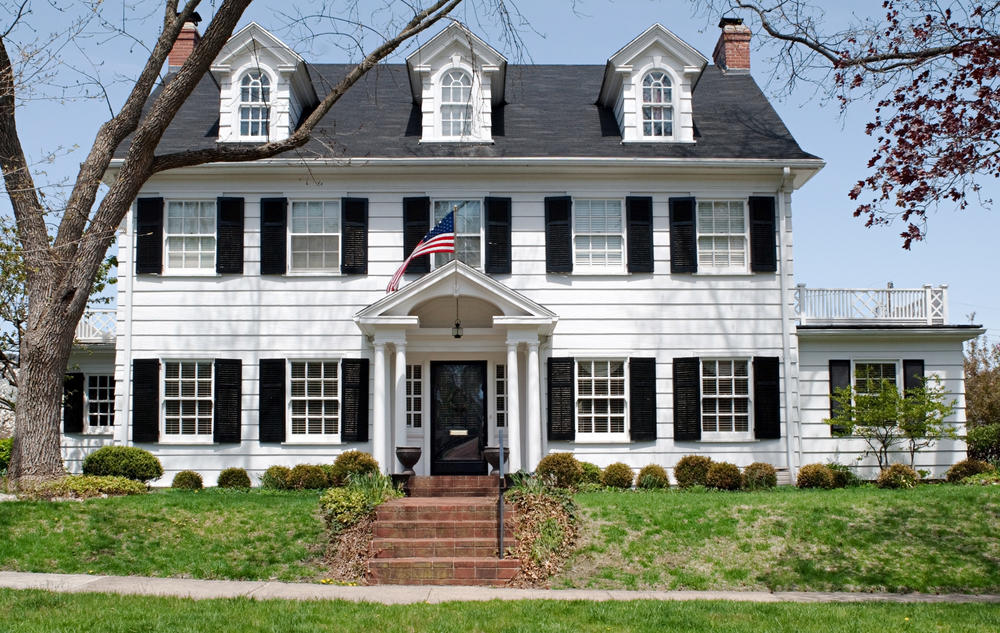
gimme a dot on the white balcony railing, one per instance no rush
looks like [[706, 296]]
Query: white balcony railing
[[96, 326], [904, 306]]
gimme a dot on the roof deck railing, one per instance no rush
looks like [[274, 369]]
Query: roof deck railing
[[905, 306], [96, 326]]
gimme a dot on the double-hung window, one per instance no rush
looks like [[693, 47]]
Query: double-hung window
[[315, 400], [468, 231], [255, 108], [868, 376], [189, 233], [601, 410], [456, 103], [187, 400], [100, 403], [657, 105], [725, 399], [722, 236], [314, 236], [598, 235]]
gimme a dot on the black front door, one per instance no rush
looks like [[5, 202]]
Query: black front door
[[458, 417]]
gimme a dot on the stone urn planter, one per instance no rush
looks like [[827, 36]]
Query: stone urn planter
[[408, 456], [492, 456]]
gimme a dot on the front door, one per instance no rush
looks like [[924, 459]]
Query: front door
[[458, 417]]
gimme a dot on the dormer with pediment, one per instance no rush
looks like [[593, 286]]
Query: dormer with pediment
[[648, 85], [264, 87], [457, 80]]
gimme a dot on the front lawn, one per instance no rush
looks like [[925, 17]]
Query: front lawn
[[211, 533], [934, 538]]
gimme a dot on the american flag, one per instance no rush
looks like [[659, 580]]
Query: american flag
[[441, 239]]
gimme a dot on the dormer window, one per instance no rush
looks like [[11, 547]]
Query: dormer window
[[255, 105], [657, 105], [456, 103]]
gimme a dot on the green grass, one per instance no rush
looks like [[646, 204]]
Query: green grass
[[38, 611], [933, 538], [212, 533]]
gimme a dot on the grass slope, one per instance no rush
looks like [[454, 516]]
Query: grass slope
[[207, 534], [933, 539]]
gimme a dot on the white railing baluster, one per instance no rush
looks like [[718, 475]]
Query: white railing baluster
[[925, 306], [96, 326]]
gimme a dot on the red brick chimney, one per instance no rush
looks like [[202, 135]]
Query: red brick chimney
[[187, 39], [732, 51]]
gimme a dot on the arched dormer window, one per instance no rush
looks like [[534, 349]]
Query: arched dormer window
[[255, 104], [456, 103], [657, 105]]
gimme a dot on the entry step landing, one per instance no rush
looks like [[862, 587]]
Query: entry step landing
[[455, 486]]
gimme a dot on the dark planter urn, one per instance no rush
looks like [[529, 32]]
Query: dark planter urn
[[492, 456], [408, 456]]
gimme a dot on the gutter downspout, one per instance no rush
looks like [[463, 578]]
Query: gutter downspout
[[126, 410], [786, 348]]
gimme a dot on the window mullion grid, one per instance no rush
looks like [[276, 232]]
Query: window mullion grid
[[414, 396], [325, 257], [188, 398], [99, 401], [314, 398], [189, 235]]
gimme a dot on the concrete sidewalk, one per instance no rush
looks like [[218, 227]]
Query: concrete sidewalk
[[398, 594]]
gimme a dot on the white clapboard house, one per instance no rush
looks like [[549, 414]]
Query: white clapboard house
[[622, 287]]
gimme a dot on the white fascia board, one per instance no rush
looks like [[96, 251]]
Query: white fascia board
[[253, 31], [890, 334]]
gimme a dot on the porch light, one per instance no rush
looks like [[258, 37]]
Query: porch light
[[457, 330]]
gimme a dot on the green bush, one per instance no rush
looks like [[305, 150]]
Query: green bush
[[350, 462], [984, 443], [652, 477], [591, 473], [617, 475], [275, 478], [87, 486], [967, 468], [759, 476], [376, 487], [843, 476], [561, 468], [130, 462], [692, 470], [330, 474], [898, 476], [343, 507], [724, 476], [234, 478], [815, 476], [307, 477], [188, 480], [982, 479], [6, 446]]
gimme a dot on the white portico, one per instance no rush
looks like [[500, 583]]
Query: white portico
[[451, 394]]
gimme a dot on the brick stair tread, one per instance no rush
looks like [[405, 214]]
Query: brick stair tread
[[435, 502], [446, 561]]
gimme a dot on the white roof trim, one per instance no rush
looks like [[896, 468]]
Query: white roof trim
[[490, 59], [236, 45]]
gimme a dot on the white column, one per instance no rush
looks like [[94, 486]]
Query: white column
[[379, 425], [400, 402], [534, 429], [513, 428]]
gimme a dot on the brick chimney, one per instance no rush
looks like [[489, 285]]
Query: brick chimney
[[732, 51], [184, 45]]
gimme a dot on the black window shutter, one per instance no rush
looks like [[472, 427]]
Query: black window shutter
[[73, 403], [562, 399], [354, 220], [558, 234], [273, 228], [763, 245], [687, 399], [639, 219], [149, 235], [766, 398], [229, 236], [416, 224], [642, 399], [498, 223], [683, 240], [913, 374], [145, 400], [271, 410], [228, 400], [840, 378], [354, 400]]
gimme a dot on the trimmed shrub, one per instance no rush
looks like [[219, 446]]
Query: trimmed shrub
[[759, 476], [329, 472], [617, 475], [130, 462], [275, 478], [234, 478], [561, 468], [350, 462], [982, 479], [692, 470], [343, 507], [6, 446], [898, 476], [88, 486], [307, 477], [652, 477], [724, 476], [187, 480], [815, 476], [967, 468], [984, 443], [591, 473], [843, 476]]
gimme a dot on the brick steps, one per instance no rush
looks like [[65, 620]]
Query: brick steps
[[435, 547], [454, 486], [441, 529], [444, 571]]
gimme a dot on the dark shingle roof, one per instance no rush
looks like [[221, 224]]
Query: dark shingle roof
[[550, 111]]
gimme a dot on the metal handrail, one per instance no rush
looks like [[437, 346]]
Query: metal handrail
[[500, 491]]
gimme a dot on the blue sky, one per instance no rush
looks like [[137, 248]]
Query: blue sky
[[832, 249]]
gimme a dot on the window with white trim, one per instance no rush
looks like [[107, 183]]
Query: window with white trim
[[501, 395], [600, 399], [414, 396], [456, 103], [722, 235], [187, 399], [314, 236], [598, 234], [657, 105], [468, 231], [255, 105], [868, 376], [725, 399], [314, 398], [100, 402], [189, 234]]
